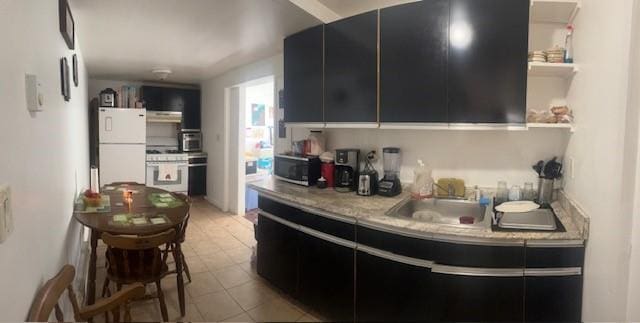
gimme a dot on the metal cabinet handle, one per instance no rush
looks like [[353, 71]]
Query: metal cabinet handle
[[311, 232], [394, 257], [549, 272], [197, 165], [279, 220], [477, 272], [328, 238]]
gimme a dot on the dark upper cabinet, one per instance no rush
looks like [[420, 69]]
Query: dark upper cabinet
[[487, 67], [350, 71], [153, 97], [413, 62], [389, 289], [303, 71], [191, 118]]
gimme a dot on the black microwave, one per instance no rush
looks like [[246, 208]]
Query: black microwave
[[296, 169]]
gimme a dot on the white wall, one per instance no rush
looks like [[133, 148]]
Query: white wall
[[45, 156], [216, 124], [479, 157], [598, 94], [632, 165]]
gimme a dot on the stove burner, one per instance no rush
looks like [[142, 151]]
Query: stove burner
[[153, 151], [173, 151]]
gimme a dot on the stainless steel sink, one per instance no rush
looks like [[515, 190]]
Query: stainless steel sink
[[442, 211]]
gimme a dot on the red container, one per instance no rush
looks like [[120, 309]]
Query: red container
[[326, 170]]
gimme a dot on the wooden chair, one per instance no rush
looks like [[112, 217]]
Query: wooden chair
[[48, 296], [133, 259], [181, 236]]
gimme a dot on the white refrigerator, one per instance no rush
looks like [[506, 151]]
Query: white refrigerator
[[122, 145]]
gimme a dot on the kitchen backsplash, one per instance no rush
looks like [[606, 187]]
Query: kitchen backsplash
[[479, 157]]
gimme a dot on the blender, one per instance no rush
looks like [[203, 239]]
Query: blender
[[390, 184]]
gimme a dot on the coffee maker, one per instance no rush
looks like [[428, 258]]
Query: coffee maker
[[390, 184], [346, 170]]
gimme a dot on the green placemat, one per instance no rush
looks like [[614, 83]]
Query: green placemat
[[164, 200], [138, 219], [81, 207]]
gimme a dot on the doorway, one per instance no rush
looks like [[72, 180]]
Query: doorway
[[252, 141]]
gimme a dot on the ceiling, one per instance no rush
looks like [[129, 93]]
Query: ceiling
[[196, 39], [346, 8]]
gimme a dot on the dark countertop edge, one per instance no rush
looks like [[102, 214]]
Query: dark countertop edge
[[444, 237]]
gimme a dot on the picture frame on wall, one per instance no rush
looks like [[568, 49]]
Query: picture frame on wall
[[64, 79], [74, 64], [67, 24]]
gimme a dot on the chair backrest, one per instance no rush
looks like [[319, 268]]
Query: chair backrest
[[182, 231], [48, 296], [136, 256]]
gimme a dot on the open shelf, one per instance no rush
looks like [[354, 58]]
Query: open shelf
[[552, 69], [567, 126], [554, 11]]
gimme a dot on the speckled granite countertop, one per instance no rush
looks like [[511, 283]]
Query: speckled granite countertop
[[371, 210]]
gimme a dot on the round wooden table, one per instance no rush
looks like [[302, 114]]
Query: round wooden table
[[100, 222]]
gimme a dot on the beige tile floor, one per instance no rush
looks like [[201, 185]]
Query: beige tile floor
[[225, 285]]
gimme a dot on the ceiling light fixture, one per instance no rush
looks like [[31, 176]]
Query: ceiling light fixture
[[161, 73]]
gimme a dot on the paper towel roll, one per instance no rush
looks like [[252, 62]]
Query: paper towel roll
[[95, 181]]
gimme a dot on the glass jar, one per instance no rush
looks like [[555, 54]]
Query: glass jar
[[502, 193]]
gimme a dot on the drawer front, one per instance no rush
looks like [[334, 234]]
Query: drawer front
[[554, 257], [468, 255], [324, 224], [395, 243]]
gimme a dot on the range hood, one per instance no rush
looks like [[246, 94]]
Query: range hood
[[164, 116]]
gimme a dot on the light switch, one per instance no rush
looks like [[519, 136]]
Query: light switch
[[6, 217], [33, 94]]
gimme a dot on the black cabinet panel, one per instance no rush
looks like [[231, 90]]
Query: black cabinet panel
[[351, 69], [468, 255], [278, 254], [303, 74], [327, 277], [174, 99], [391, 291], [153, 97], [197, 180], [191, 118], [554, 257], [335, 228], [553, 299], [395, 243], [488, 61], [413, 62], [477, 298]]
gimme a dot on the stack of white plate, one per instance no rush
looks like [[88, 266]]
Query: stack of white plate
[[555, 55], [537, 56]]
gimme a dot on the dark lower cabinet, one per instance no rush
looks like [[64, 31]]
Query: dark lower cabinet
[[327, 276], [197, 180], [478, 295], [390, 289], [278, 254], [553, 298]]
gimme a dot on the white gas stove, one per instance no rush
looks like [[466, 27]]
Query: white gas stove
[[168, 170]]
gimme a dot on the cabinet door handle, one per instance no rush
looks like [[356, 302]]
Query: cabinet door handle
[[279, 220], [394, 257], [549, 272], [477, 272], [328, 238]]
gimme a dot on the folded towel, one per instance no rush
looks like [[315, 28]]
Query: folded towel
[[167, 173]]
